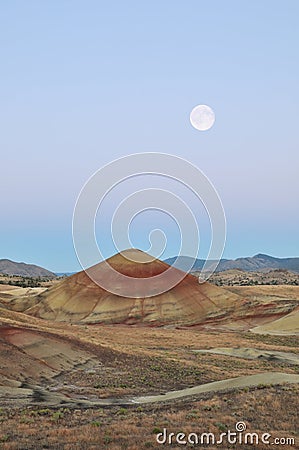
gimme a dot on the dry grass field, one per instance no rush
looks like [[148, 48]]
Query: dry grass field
[[57, 379]]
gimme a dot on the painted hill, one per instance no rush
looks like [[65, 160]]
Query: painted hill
[[22, 269], [255, 263], [79, 299]]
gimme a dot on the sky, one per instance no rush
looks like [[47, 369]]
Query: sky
[[84, 83]]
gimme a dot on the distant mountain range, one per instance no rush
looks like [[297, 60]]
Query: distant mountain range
[[21, 269], [255, 263], [64, 274]]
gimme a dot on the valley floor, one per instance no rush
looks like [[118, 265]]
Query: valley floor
[[53, 377]]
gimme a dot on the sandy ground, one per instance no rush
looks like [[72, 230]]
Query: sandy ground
[[276, 292], [20, 291], [267, 378], [252, 353], [287, 325]]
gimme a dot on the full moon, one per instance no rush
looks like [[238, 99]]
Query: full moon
[[202, 117]]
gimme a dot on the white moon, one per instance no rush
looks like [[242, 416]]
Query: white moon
[[202, 117]]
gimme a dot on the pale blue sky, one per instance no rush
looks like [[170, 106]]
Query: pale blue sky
[[83, 83]]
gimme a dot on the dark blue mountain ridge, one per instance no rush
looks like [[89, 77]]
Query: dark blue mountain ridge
[[256, 263]]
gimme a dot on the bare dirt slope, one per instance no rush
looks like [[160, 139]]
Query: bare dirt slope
[[26, 270], [79, 299]]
